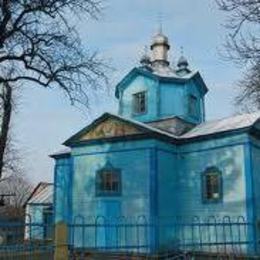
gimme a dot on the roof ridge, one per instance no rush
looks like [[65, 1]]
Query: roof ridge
[[228, 117], [217, 126]]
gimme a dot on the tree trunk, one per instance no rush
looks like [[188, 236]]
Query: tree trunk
[[5, 124]]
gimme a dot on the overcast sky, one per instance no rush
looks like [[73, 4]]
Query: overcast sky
[[45, 118]]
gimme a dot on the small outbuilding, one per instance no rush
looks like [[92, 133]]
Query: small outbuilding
[[39, 213]]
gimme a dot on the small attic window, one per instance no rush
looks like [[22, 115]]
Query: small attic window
[[139, 103], [192, 105]]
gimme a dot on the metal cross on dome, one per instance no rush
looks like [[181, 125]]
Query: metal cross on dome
[[160, 17]]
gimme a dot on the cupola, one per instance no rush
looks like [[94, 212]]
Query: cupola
[[160, 47], [156, 90], [145, 59], [183, 65]]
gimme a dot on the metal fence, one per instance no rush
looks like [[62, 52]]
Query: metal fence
[[28, 241], [162, 236], [140, 238]]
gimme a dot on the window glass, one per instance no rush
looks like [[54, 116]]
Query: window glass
[[108, 182], [212, 184], [139, 103]]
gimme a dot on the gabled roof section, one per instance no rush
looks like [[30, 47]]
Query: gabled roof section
[[164, 74], [113, 126], [174, 125], [119, 128]]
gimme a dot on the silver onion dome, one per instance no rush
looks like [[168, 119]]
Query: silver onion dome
[[182, 62], [160, 39]]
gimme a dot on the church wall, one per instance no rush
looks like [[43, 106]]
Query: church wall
[[192, 89], [126, 101], [227, 154], [163, 100], [174, 100], [229, 158], [62, 189], [180, 184], [158, 180], [167, 165], [167, 182], [133, 159], [255, 150]]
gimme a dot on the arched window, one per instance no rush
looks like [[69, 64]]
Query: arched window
[[108, 181], [212, 185]]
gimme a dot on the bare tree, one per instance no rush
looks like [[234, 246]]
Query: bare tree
[[18, 189], [40, 45], [11, 162], [5, 116], [243, 46]]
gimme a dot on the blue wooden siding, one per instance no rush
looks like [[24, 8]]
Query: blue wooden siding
[[63, 185], [184, 167], [159, 181], [255, 157], [172, 98], [227, 154], [180, 184], [167, 195], [133, 161], [255, 148], [126, 99], [164, 99], [191, 88], [35, 216]]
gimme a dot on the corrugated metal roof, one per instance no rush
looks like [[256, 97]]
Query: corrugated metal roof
[[45, 196], [223, 125]]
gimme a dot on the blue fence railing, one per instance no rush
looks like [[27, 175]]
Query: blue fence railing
[[229, 235], [26, 240], [140, 235]]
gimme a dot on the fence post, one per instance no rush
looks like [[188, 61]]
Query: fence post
[[61, 242]]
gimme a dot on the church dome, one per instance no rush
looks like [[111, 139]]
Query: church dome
[[182, 62], [145, 60], [160, 47], [183, 66], [160, 39]]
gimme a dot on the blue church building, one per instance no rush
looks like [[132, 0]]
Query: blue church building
[[159, 158]]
